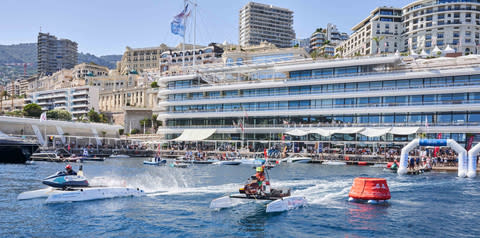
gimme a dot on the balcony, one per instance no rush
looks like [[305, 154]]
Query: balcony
[[80, 105], [78, 93]]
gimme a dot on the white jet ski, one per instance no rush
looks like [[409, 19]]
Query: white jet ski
[[74, 188], [279, 199]]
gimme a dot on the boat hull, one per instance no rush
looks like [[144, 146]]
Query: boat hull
[[15, 152], [81, 194]]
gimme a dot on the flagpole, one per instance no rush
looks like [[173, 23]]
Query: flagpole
[[183, 45], [194, 29]]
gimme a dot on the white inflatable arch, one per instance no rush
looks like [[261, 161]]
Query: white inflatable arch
[[462, 153], [472, 161]]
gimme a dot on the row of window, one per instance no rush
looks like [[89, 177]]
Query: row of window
[[423, 119], [331, 88], [414, 100]]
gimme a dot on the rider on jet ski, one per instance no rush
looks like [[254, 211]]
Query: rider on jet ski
[[256, 185], [69, 170]]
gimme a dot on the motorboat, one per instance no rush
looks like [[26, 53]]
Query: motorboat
[[209, 161], [178, 164], [119, 156], [256, 161], [155, 161], [278, 199], [334, 163], [228, 162], [297, 159]]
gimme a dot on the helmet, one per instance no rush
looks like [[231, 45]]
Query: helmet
[[260, 169], [68, 166]]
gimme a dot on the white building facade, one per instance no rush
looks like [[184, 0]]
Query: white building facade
[[261, 22]]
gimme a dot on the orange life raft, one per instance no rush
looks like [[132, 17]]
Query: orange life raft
[[370, 189]]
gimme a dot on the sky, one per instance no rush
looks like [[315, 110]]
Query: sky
[[104, 27]]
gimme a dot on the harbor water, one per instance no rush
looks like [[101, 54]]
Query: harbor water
[[177, 205]]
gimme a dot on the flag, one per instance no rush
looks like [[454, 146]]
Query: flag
[[240, 124], [435, 151], [470, 142], [177, 26], [265, 153], [43, 116], [285, 122], [246, 115], [234, 124]]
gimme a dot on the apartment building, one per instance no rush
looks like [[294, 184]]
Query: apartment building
[[260, 22], [55, 54]]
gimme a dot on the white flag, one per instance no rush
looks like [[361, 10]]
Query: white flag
[[43, 117]]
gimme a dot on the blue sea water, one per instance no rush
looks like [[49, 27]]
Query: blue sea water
[[429, 205]]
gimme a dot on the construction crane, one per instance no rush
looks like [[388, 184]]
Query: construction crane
[[21, 64]]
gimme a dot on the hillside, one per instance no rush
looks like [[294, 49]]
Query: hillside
[[27, 53]]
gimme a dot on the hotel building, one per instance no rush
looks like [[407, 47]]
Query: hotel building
[[383, 24], [387, 100], [261, 22], [430, 23]]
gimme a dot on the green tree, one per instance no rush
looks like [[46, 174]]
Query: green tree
[[59, 114], [32, 110], [93, 116], [134, 131], [154, 84], [377, 42]]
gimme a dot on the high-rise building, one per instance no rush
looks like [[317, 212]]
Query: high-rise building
[[55, 54], [378, 33], [325, 40], [431, 23], [261, 22], [421, 26]]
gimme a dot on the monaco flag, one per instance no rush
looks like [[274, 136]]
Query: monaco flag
[[43, 117]]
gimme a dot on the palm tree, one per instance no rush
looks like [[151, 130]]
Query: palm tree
[[377, 41], [340, 50], [3, 95]]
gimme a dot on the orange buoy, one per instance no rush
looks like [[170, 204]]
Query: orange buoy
[[371, 189]]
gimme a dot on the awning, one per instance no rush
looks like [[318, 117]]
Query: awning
[[375, 132], [404, 130], [322, 131], [349, 130], [195, 134], [296, 132]]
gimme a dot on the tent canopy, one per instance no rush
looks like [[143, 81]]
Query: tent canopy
[[195, 134], [296, 132]]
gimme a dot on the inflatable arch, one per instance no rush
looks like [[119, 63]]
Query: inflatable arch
[[462, 153], [472, 161]]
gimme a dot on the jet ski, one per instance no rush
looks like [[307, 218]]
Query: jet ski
[[62, 180], [75, 188], [258, 188]]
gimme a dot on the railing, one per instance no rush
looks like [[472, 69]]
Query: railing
[[323, 125]]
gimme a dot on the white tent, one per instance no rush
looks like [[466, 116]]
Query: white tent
[[296, 132], [424, 54], [404, 130], [375, 132], [349, 130], [195, 134], [323, 131], [436, 50], [448, 50], [413, 54]]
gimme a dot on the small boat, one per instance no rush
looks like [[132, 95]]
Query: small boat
[[155, 161], [204, 161], [252, 161], [334, 163], [228, 162], [119, 156], [297, 159], [177, 164]]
